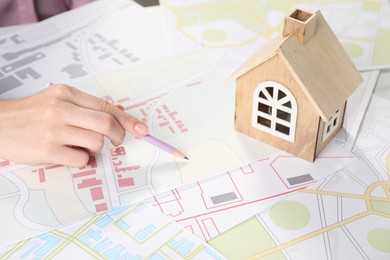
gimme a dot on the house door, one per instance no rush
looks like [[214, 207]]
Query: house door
[[274, 110]]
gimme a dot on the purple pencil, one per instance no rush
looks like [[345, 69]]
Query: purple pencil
[[164, 146]]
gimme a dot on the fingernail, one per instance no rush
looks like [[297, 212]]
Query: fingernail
[[141, 129], [121, 107]]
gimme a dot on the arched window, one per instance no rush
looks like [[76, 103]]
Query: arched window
[[274, 110]]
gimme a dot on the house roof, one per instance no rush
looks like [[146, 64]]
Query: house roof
[[321, 67]]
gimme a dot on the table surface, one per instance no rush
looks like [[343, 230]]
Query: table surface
[[382, 87]]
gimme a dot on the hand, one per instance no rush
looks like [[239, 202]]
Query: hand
[[61, 125]]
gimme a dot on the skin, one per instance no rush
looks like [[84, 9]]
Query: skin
[[61, 125]]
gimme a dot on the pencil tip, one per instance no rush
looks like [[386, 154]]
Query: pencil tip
[[185, 157]]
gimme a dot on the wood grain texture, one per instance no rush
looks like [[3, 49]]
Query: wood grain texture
[[315, 68], [322, 68], [301, 24], [274, 69], [262, 54]]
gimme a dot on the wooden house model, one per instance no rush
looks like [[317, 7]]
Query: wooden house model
[[292, 92]]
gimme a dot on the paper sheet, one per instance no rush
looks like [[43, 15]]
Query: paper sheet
[[187, 103], [102, 36], [343, 216], [132, 232], [231, 36]]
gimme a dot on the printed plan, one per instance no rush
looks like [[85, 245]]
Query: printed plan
[[235, 191]]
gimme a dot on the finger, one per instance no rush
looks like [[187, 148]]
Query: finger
[[92, 120], [79, 137], [82, 99], [120, 107], [69, 156]]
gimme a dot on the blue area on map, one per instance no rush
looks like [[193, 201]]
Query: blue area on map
[[141, 235], [104, 221], [94, 234], [176, 245], [102, 245], [141, 207], [150, 229], [127, 256], [30, 250], [114, 253], [212, 253], [122, 224], [51, 242], [117, 211], [185, 250]]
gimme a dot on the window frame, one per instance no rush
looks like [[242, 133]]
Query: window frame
[[331, 125], [278, 126]]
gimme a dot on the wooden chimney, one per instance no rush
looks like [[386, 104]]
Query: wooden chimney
[[300, 23]]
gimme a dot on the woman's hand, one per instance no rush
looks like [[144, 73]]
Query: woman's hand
[[61, 125]]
